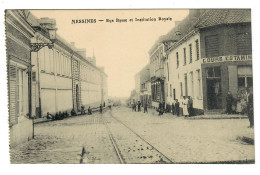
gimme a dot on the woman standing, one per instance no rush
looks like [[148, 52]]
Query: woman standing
[[185, 106]]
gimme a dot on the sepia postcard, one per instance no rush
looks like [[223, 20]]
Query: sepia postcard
[[130, 86]]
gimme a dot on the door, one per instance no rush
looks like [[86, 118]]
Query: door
[[214, 99]]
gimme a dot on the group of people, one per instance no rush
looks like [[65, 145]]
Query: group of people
[[241, 106], [186, 105], [138, 106]]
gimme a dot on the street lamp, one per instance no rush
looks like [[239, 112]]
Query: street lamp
[[35, 47]]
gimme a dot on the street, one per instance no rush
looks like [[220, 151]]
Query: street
[[123, 136]]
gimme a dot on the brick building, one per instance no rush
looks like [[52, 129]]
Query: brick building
[[18, 35], [212, 56]]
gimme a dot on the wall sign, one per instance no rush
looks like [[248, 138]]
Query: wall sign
[[227, 58]]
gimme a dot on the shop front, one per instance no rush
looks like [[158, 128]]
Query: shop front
[[222, 74]]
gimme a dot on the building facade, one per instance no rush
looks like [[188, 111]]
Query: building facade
[[213, 56], [157, 58], [18, 34], [46, 80], [137, 87]]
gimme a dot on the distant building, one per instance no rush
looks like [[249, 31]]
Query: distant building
[[137, 87], [212, 56], [145, 83]]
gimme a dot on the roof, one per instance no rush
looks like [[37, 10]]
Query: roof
[[34, 22], [202, 18], [224, 16]]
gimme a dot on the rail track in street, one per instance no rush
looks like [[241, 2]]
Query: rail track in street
[[130, 147]]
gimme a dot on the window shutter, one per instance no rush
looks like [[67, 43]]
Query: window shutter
[[12, 94], [212, 46]]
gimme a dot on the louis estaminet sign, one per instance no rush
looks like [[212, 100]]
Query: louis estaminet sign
[[227, 58]]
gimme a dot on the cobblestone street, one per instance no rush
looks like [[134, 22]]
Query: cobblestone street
[[86, 139]]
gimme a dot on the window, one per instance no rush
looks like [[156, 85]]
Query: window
[[57, 62], [245, 78], [197, 50], [42, 59], [181, 89], [213, 72], [168, 70], [186, 84], [184, 56], [190, 46], [61, 64], [177, 59], [191, 81], [19, 93], [174, 94], [244, 46], [47, 59], [199, 82], [51, 61], [171, 90], [212, 46]]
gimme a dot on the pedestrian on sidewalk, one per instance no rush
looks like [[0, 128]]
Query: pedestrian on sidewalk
[[250, 108], [139, 106], [145, 108], [160, 109], [173, 110], [185, 106], [177, 107], [190, 106], [229, 101], [89, 110], [100, 108]]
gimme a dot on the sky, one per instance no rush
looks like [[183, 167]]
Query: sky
[[120, 47]]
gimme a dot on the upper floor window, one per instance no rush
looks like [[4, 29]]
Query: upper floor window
[[184, 56], [197, 50], [177, 59], [244, 45], [190, 46], [212, 46]]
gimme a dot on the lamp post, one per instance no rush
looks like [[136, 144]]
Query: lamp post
[[35, 47]]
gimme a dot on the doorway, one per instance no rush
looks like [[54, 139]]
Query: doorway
[[214, 95]]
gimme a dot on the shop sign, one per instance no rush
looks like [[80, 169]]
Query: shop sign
[[227, 58]]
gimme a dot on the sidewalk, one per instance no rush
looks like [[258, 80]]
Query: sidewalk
[[44, 119], [200, 117]]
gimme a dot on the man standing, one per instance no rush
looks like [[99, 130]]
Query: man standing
[[229, 100], [177, 108], [190, 106], [173, 110], [145, 108], [100, 108], [139, 106], [250, 109]]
